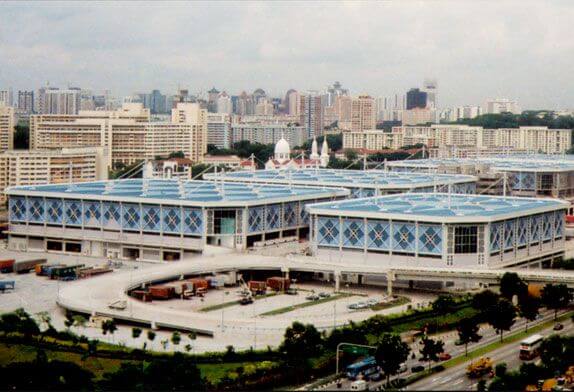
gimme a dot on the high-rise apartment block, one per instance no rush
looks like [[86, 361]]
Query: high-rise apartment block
[[311, 114], [128, 132], [363, 116], [535, 139], [52, 100], [268, 133], [501, 105], [6, 97], [63, 165], [26, 101], [430, 87], [219, 130], [7, 123]]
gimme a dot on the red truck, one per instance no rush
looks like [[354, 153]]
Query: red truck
[[162, 292], [7, 265], [278, 283], [257, 287]]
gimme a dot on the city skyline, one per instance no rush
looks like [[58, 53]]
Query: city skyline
[[129, 47]]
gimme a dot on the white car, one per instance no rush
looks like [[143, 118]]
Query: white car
[[359, 385], [372, 302]]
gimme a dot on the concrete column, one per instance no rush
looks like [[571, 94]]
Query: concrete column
[[390, 278], [337, 275]]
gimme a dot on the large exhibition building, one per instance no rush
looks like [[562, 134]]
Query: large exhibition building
[[157, 219], [361, 183], [439, 230], [533, 176]]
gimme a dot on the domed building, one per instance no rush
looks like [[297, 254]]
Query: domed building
[[282, 157]]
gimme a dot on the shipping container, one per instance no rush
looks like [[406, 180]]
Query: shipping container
[[7, 265], [65, 272], [257, 287], [7, 285], [25, 266], [279, 283], [198, 283], [93, 271], [46, 269], [142, 295], [161, 292]]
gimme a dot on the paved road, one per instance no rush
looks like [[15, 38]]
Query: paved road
[[488, 333], [455, 379]]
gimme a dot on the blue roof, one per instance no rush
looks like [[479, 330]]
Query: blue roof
[[518, 162], [345, 178], [176, 191], [438, 205]]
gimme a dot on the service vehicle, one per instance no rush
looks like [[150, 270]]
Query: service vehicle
[[364, 367], [530, 347]]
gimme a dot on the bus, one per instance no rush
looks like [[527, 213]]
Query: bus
[[530, 347], [364, 367]]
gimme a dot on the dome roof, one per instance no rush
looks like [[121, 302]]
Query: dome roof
[[282, 147]]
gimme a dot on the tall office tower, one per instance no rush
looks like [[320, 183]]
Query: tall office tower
[[192, 114], [87, 100], [212, 96], [26, 101], [430, 87], [311, 114], [416, 99], [56, 101], [334, 91], [7, 123], [501, 105], [293, 102], [157, 102], [6, 97], [363, 113], [264, 108], [258, 95], [245, 104], [223, 104]]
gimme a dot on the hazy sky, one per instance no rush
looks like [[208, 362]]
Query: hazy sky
[[476, 49]]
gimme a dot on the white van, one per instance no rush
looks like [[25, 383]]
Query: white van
[[359, 385]]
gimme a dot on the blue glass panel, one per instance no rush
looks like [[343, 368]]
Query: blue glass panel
[[522, 233], [495, 236], [273, 217], [535, 229], [255, 220], [17, 207], [36, 209], [328, 232], [559, 224], [171, 221], [509, 234], [403, 237], [111, 215], [73, 212], [379, 235], [92, 213], [430, 239], [548, 224], [290, 214], [192, 221], [151, 218], [54, 211], [353, 233]]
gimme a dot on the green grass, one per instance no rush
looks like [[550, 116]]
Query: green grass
[[306, 304], [446, 320], [23, 353], [223, 305], [395, 302], [215, 371]]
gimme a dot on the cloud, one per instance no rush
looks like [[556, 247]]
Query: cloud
[[517, 49]]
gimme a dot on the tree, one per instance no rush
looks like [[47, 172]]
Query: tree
[[151, 336], [136, 332], [444, 304], [511, 285], [301, 341], [176, 338], [176, 154], [431, 349], [502, 316], [556, 297], [109, 326], [484, 300], [391, 352], [21, 137], [528, 307], [552, 352], [500, 369], [468, 332]]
